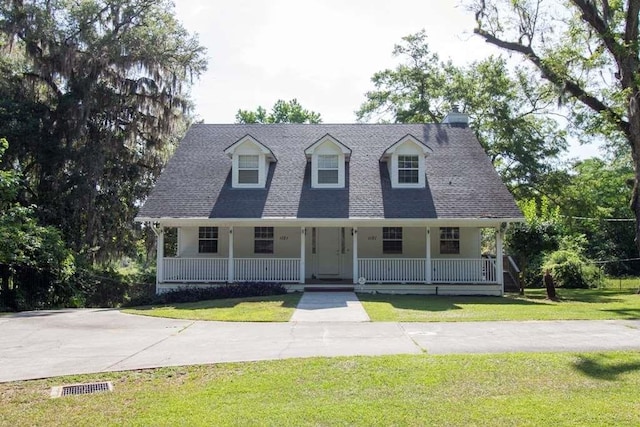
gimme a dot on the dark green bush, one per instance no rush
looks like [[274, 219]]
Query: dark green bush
[[106, 287], [234, 290], [100, 288]]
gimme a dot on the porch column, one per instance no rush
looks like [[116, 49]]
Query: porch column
[[355, 255], [159, 256], [428, 257], [499, 258], [230, 269], [303, 240]]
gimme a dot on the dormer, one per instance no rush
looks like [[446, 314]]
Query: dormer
[[250, 162], [405, 161], [328, 157]]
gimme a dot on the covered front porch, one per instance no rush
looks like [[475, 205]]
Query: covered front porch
[[444, 258]]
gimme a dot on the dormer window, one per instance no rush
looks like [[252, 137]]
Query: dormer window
[[408, 169], [328, 169], [406, 162], [328, 157], [248, 169], [250, 162]]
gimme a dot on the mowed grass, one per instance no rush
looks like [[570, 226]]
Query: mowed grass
[[573, 304], [562, 389], [273, 308]]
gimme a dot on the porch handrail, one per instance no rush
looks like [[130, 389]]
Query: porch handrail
[[464, 270], [393, 270], [178, 269], [285, 270]]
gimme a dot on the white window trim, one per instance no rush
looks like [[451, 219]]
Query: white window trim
[[209, 239], [250, 169], [417, 156], [390, 156], [265, 156], [401, 240], [262, 171], [271, 239], [315, 169], [395, 180], [342, 151]]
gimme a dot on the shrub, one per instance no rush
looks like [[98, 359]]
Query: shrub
[[571, 270], [99, 287], [107, 287], [234, 290]]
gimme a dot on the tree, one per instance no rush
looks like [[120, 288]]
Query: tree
[[594, 201], [589, 50], [282, 112], [506, 108], [94, 97], [539, 234], [34, 255]]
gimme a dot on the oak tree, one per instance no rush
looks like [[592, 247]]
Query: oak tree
[[589, 50], [281, 112], [107, 83], [506, 108]]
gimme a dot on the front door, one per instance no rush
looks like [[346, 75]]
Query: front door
[[328, 252]]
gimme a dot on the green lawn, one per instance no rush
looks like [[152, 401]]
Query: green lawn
[[275, 308], [559, 389], [574, 304]]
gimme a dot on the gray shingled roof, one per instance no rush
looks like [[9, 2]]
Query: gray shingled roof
[[461, 182]]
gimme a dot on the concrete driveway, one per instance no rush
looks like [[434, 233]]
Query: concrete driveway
[[51, 343]]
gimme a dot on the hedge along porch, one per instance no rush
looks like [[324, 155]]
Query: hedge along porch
[[395, 258]]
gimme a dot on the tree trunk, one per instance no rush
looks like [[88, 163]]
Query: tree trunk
[[7, 300], [635, 200]]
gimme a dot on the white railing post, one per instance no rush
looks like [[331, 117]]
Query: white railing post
[[159, 257], [303, 239], [499, 260], [230, 269], [355, 255], [428, 268]]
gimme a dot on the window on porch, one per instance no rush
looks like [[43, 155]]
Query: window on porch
[[392, 240], [207, 240], [450, 240], [263, 240]]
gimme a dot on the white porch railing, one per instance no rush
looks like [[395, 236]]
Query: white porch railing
[[478, 270], [413, 270], [287, 270], [195, 270], [393, 270], [266, 269]]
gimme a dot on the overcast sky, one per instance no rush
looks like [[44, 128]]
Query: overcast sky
[[322, 52]]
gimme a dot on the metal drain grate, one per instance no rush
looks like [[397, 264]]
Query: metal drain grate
[[75, 389]]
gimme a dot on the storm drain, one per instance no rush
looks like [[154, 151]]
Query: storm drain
[[76, 389]]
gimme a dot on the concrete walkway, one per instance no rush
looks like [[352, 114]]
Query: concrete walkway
[[51, 343], [329, 307]]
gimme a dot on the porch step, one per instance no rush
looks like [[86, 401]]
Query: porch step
[[329, 288]]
